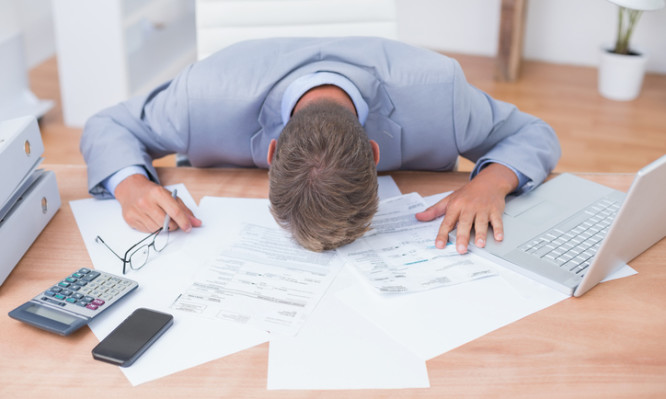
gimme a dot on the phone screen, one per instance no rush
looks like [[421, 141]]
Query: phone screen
[[132, 337]]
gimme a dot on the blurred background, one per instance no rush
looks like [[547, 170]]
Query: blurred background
[[78, 56]]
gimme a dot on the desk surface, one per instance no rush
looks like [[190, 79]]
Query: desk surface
[[608, 343]]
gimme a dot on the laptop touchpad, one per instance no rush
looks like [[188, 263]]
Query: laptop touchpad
[[517, 205], [538, 213]]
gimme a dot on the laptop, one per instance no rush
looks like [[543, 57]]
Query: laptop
[[570, 233]]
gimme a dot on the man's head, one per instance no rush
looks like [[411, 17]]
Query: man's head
[[323, 177]]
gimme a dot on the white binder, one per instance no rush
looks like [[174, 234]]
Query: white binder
[[26, 219], [28, 197], [21, 149]]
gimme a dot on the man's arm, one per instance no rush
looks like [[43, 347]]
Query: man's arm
[[513, 151], [129, 136], [135, 132]]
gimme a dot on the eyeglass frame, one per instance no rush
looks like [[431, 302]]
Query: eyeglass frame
[[134, 248], [154, 234]]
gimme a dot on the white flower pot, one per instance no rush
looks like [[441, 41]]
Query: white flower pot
[[621, 76]]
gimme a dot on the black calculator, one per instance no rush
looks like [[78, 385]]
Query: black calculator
[[74, 301]]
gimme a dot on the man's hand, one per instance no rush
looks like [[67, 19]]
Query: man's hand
[[476, 205], [145, 204]]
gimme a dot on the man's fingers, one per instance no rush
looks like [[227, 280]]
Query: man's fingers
[[442, 235], [433, 212], [447, 225], [498, 227], [145, 205], [177, 211], [190, 215], [480, 230], [465, 224]]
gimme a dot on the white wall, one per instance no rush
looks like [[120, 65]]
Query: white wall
[[34, 20], [467, 26], [588, 25], [559, 31]]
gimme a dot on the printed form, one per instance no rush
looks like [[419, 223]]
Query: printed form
[[264, 280], [398, 254]]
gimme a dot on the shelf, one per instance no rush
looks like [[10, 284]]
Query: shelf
[[128, 47]]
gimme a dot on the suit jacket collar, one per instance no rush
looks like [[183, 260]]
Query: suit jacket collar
[[379, 126]]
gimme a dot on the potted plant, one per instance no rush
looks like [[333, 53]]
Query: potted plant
[[622, 67]]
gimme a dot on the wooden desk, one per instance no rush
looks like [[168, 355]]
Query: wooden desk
[[609, 343]]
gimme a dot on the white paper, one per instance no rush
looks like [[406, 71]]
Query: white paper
[[191, 340], [262, 279], [398, 255], [339, 349], [387, 187], [432, 322]]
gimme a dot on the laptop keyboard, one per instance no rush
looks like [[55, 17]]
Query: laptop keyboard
[[573, 243]]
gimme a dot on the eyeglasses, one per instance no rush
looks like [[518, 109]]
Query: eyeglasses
[[137, 256]]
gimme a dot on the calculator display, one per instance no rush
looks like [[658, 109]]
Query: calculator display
[[43, 311]]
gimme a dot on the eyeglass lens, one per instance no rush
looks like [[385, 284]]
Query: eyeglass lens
[[139, 257]]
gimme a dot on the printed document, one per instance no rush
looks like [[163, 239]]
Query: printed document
[[263, 279], [398, 254]]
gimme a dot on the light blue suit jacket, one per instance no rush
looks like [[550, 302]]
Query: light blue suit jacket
[[225, 109]]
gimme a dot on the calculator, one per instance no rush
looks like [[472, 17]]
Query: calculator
[[74, 301]]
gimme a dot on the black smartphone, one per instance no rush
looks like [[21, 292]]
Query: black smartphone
[[132, 337]]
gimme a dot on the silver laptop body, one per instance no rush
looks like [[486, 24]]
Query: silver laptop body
[[571, 233]]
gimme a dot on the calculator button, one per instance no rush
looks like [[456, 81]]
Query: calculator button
[[98, 302], [71, 300], [92, 306], [75, 287], [49, 300], [64, 284], [56, 289], [71, 279], [84, 270], [82, 303], [49, 293], [91, 276], [58, 296], [88, 298]]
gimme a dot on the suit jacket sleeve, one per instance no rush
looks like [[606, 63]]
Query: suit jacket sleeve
[[135, 132], [491, 130]]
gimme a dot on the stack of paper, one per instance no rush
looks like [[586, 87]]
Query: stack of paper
[[371, 323]]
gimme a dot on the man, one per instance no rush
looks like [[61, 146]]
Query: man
[[325, 114]]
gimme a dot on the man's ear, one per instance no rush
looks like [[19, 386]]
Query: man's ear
[[271, 151], [375, 150]]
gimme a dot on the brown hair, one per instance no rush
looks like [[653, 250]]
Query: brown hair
[[323, 179]]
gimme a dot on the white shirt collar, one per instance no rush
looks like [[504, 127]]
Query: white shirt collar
[[300, 86]]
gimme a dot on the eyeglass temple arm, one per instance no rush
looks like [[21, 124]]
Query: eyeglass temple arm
[[149, 236], [99, 239]]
